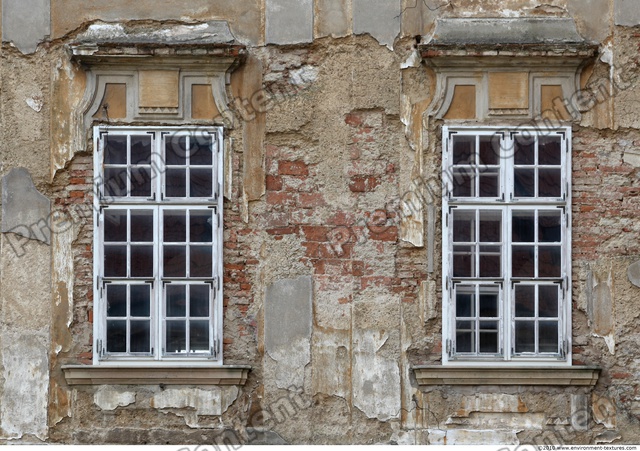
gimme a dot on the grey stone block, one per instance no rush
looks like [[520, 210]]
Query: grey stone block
[[332, 18], [25, 211], [289, 21], [627, 12], [379, 18], [288, 313], [26, 23], [633, 272]]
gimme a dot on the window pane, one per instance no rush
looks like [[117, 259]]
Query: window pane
[[490, 150], [175, 260], [548, 336], [116, 300], [175, 226], [489, 185], [465, 336], [464, 149], [524, 180], [523, 226], [141, 261], [176, 300], [549, 227], [142, 225], [525, 336], [525, 301], [463, 259], [464, 229], [201, 150], [524, 150], [522, 259], [140, 298], [199, 300], [116, 336], [115, 225], [549, 183], [115, 261], [176, 336], [201, 183], [115, 182], [176, 182], [549, 261], [201, 264], [176, 150], [462, 183], [548, 301], [115, 149], [200, 226], [490, 226], [199, 335], [140, 336], [141, 149], [490, 261], [549, 150], [489, 337], [141, 181], [489, 305], [465, 304]]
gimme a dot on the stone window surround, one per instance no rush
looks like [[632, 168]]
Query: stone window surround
[[427, 375]]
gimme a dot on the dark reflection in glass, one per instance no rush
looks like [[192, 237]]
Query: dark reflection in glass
[[115, 261], [115, 182], [199, 335], [549, 183], [141, 181], [200, 226], [175, 226], [201, 151], [141, 261], [142, 225], [490, 150], [489, 183], [175, 261], [549, 150], [464, 226], [525, 336], [522, 262], [488, 305], [141, 149], [548, 301], [549, 227], [140, 298], [116, 300], [549, 261], [465, 305], [176, 340], [490, 261], [523, 226], [524, 150], [465, 334], [140, 336], [199, 300], [176, 182], [488, 337], [176, 300], [525, 301], [464, 149], [176, 150], [201, 264], [116, 336], [524, 182], [115, 149], [490, 226], [115, 225], [462, 261], [548, 336], [201, 183], [462, 183]]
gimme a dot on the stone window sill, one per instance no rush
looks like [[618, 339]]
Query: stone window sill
[[151, 375], [557, 376]]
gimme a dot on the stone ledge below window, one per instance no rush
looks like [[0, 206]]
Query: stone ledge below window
[[151, 375], [563, 376]]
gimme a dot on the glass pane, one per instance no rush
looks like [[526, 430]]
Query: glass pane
[[489, 150], [176, 150], [175, 260], [524, 150], [489, 305], [548, 336], [115, 261], [525, 336], [116, 300], [489, 336], [115, 182], [201, 264], [141, 181], [142, 225], [176, 183], [523, 227], [549, 150], [489, 183], [141, 149], [525, 301], [490, 226], [201, 183], [463, 259], [140, 336], [199, 335], [117, 336], [548, 301], [464, 229], [199, 300], [141, 261], [200, 226], [522, 261], [176, 336], [115, 149], [175, 226], [465, 305], [140, 298], [549, 227], [176, 300], [201, 150], [524, 182], [465, 336], [490, 261], [115, 225], [549, 261], [464, 149], [462, 183], [549, 183]]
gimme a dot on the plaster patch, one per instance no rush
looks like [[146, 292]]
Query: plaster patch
[[35, 102], [214, 401], [108, 398]]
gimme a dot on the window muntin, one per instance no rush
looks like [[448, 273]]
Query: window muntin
[[158, 257], [506, 234]]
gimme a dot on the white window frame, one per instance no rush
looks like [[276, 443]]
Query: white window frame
[[506, 203], [158, 202]]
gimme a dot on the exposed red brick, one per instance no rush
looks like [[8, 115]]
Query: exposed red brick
[[297, 167], [315, 233], [274, 183], [361, 184]]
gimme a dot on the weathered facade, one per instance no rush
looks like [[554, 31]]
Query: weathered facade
[[328, 116]]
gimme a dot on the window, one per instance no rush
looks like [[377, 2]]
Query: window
[[157, 244], [506, 253]]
